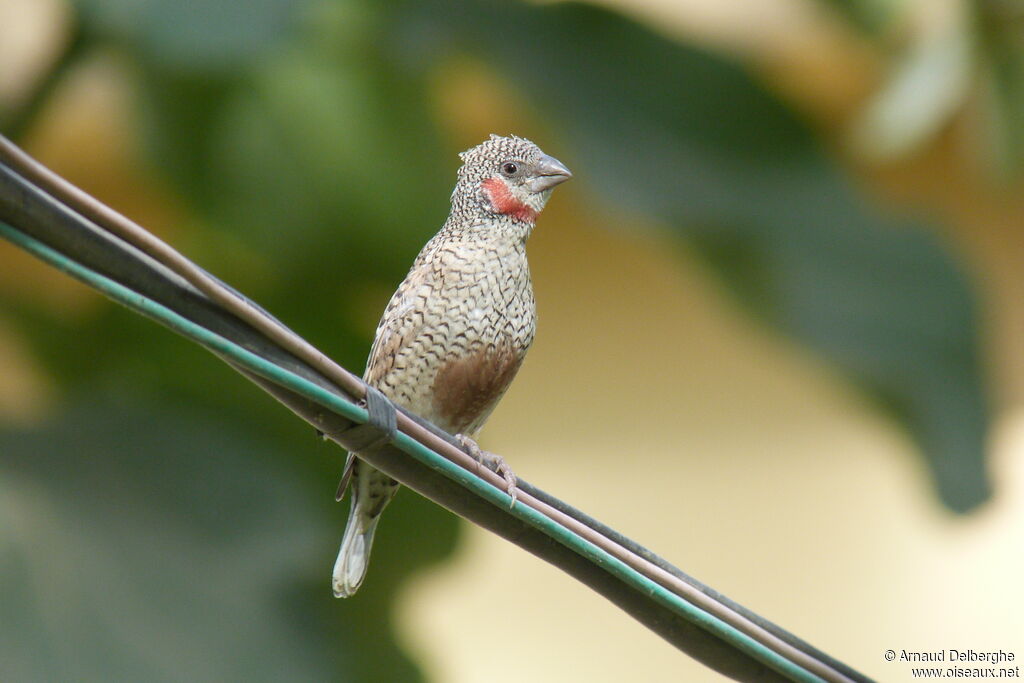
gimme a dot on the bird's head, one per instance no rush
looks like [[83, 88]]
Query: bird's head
[[508, 176]]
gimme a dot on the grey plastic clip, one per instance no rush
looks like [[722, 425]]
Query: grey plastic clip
[[380, 426]]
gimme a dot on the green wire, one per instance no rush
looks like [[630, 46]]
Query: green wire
[[407, 444]]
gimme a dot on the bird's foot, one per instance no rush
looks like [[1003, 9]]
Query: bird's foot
[[493, 462]]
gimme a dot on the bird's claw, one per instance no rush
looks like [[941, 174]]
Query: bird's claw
[[493, 462]]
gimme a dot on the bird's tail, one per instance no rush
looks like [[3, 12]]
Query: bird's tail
[[354, 556]]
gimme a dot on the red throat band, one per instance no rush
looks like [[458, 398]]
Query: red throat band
[[504, 202]]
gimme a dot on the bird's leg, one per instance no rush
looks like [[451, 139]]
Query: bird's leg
[[492, 461]]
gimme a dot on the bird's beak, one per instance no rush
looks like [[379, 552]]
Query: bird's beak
[[548, 172]]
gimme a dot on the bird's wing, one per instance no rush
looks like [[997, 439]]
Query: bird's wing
[[398, 327], [346, 476]]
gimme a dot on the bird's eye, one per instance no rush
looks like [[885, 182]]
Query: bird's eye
[[509, 168]]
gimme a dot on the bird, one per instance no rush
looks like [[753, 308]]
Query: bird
[[458, 327]]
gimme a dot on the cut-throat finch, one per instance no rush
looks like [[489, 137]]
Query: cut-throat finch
[[458, 327]]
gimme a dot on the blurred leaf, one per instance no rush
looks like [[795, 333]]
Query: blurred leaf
[[145, 544], [351, 145], [1001, 48], [329, 143], [209, 35], [690, 138]]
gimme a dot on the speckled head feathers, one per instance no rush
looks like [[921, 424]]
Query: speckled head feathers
[[485, 159], [507, 176]]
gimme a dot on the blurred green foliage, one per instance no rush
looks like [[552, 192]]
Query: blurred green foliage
[[183, 522]]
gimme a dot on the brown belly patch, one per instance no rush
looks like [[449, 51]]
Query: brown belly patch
[[468, 387]]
